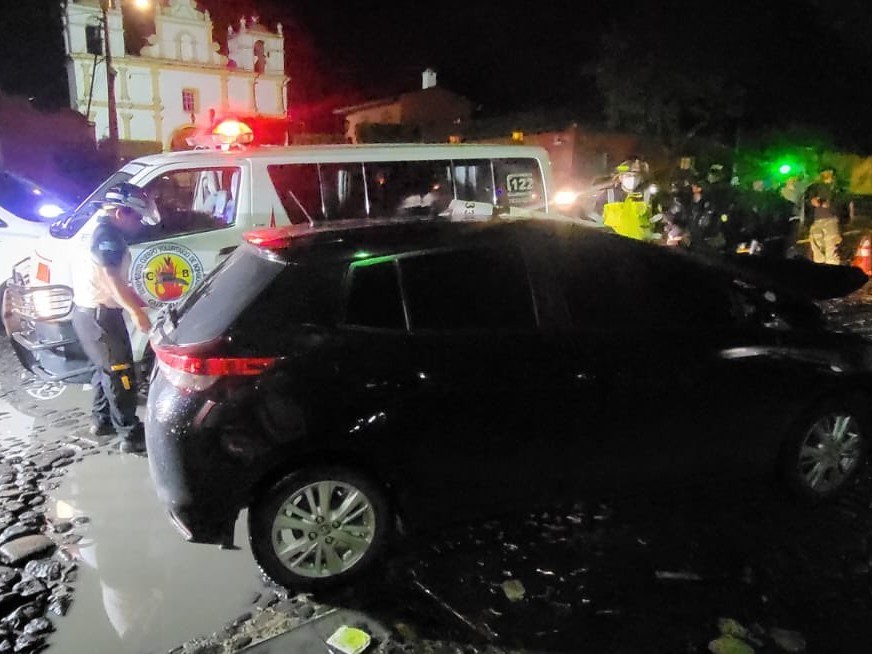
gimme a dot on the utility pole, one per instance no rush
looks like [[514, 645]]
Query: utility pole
[[110, 84]]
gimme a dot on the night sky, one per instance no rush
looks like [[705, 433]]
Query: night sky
[[798, 62]]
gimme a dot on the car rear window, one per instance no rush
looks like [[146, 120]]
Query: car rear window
[[218, 301]]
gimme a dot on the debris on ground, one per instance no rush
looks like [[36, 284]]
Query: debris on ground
[[677, 576], [730, 645], [789, 641], [514, 589], [349, 640]]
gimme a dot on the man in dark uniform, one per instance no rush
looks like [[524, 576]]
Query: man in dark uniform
[[102, 294]]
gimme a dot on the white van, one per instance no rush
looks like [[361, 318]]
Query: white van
[[208, 198]]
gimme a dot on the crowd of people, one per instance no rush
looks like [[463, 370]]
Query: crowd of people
[[714, 213]]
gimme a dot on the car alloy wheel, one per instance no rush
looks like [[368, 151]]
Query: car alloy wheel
[[317, 528], [827, 449], [830, 452]]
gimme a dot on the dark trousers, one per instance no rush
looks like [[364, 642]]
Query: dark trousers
[[104, 339]]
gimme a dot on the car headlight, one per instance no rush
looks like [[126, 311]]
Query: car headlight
[[51, 302], [49, 210], [565, 198]]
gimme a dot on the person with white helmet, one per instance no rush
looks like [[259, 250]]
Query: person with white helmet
[[101, 296]]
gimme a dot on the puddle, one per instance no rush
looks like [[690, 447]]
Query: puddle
[[141, 587]]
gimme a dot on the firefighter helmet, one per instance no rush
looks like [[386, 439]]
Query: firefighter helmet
[[632, 173]]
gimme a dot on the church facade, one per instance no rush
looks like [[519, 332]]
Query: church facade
[[179, 81]]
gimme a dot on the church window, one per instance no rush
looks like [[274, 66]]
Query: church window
[[259, 57], [189, 101]]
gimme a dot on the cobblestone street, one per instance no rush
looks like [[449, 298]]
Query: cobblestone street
[[683, 570]]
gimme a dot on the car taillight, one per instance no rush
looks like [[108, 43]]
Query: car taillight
[[196, 372]]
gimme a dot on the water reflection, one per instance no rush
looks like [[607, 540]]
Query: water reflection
[[141, 588]]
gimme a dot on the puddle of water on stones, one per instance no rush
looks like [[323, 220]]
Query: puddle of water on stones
[[141, 587]]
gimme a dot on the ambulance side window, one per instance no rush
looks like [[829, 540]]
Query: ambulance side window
[[519, 183], [474, 180], [299, 188], [408, 188], [344, 197], [318, 192], [192, 200]]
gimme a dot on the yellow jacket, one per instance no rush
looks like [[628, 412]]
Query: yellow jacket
[[630, 217]]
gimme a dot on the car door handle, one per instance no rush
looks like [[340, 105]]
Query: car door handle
[[223, 252]]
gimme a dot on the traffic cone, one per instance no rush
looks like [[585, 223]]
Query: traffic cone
[[863, 258]]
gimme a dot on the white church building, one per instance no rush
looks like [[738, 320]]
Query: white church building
[[178, 82]]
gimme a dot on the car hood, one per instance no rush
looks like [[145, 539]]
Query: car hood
[[802, 277]]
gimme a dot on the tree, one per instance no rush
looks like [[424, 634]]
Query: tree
[[664, 94]]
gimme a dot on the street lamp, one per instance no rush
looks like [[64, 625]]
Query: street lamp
[[110, 73]]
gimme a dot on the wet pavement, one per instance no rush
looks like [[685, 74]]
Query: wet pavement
[[687, 570]]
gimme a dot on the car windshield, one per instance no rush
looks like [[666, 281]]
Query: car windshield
[[68, 226], [28, 200]]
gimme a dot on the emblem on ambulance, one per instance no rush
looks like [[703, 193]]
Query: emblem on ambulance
[[165, 273]]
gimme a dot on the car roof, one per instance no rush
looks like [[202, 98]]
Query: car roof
[[366, 239], [342, 152]]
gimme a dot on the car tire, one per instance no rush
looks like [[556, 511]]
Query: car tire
[[326, 550], [826, 449]]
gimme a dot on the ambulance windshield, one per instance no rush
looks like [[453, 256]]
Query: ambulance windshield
[[69, 225]]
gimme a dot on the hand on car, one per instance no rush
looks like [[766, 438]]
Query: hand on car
[[142, 321]]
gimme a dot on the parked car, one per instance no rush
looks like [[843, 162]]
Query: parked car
[[26, 211], [339, 380]]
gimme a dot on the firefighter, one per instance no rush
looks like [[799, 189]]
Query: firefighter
[[101, 296], [624, 205], [702, 219], [726, 230], [829, 213], [672, 213]]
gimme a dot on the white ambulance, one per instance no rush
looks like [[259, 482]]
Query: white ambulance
[[208, 198]]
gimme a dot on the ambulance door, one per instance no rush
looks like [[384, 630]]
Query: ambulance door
[[200, 224]]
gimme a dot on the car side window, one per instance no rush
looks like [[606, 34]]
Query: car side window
[[468, 289], [626, 287], [374, 298], [192, 200]]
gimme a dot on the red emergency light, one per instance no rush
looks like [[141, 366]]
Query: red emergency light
[[232, 132]]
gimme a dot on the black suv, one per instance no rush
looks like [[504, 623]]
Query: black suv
[[341, 380]]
